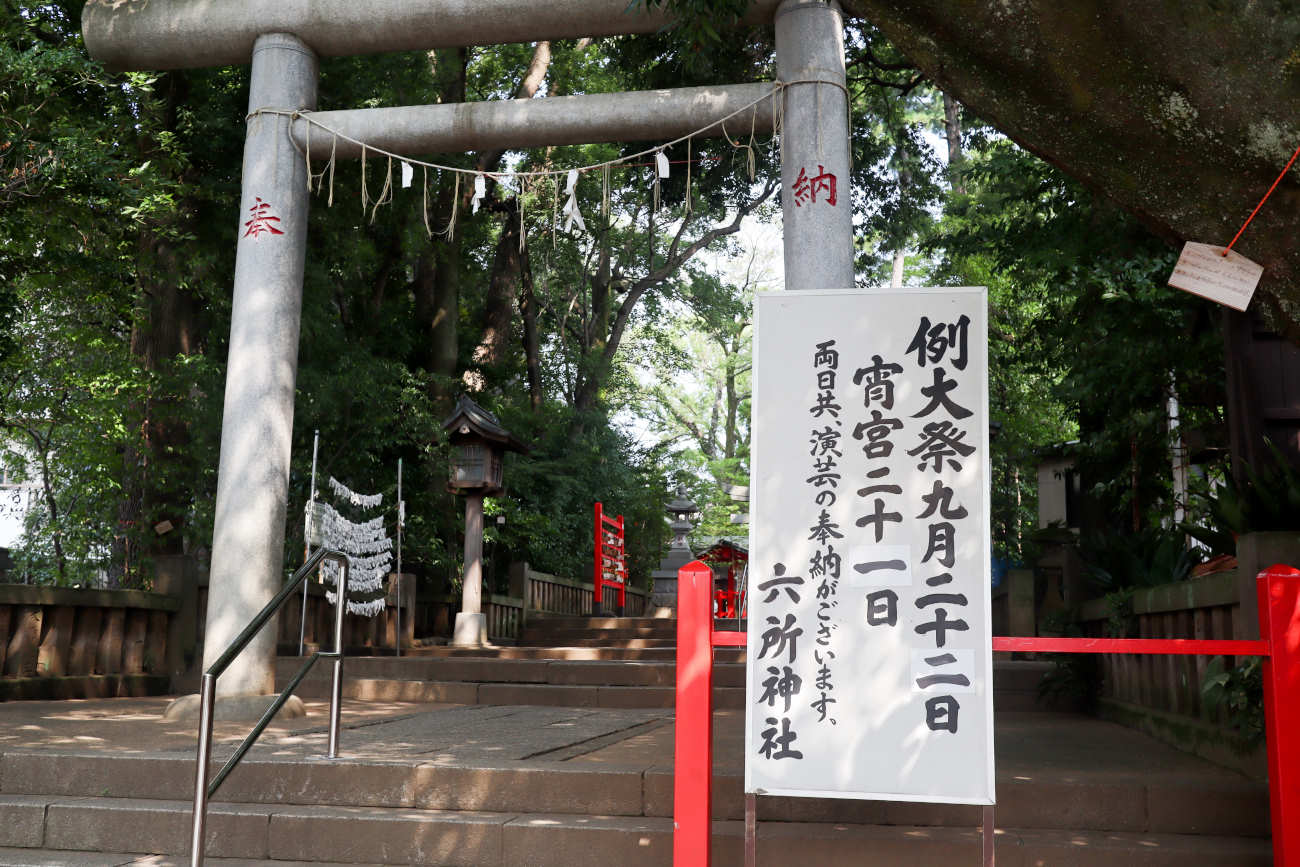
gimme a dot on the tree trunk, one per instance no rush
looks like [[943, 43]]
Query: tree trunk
[[168, 326], [503, 288], [952, 133], [596, 360], [532, 344], [437, 270], [730, 435]]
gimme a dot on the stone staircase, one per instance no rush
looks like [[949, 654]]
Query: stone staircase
[[562, 755], [610, 662], [630, 632], [385, 804]]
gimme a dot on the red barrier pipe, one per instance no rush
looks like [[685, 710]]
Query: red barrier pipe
[[1091, 645], [1278, 589], [1279, 614], [1132, 645], [693, 732]]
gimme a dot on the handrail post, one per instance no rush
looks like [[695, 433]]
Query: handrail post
[[336, 684], [693, 735], [207, 692], [1278, 589]]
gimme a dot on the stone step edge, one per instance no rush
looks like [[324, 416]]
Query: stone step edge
[[246, 821], [1101, 805], [1001, 671], [584, 674], [606, 696], [609, 696], [29, 857]]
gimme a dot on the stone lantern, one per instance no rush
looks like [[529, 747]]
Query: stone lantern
[[683, 512], [478, 447]]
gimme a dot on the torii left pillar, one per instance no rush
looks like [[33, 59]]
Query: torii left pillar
[[257, 422]]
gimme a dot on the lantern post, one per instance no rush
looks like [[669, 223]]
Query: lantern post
[[478, 447]]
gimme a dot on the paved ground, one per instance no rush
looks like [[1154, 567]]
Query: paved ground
[[1055, 771], [1059, 746]]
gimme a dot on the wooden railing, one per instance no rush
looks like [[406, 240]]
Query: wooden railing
[[504, 614], [532, 594], [94, 642], [1202, 608], [1163, 695], [552, 594], [361, 635]]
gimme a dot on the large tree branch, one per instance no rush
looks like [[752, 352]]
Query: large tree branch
[[1148, 106], [527, 89], [676, 258]]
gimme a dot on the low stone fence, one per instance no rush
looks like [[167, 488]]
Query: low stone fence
[[532, 594], [1161, 694], [58, 642], [1013, 610]]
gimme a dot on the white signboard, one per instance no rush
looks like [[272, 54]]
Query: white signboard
[[1224, 276], [15, 502], [870, 657]]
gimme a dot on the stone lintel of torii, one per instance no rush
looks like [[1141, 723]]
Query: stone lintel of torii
[[282, 42]]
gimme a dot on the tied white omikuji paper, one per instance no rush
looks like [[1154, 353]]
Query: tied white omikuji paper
[[480, 190], [364, 501], [571, 211], [367, 546]]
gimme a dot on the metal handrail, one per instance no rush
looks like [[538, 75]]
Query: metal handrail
[[203, 790]]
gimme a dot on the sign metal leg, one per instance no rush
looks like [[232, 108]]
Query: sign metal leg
[[751, 830], [987, 836]]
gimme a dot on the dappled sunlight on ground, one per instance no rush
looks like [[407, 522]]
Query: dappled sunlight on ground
[[136, 725]]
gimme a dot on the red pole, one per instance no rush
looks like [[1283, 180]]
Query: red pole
[[598, 577], [1279, 624], [622, 564], [693, 732], [731, 587]]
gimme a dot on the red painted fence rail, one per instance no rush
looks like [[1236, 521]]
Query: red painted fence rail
[[1279, 625]]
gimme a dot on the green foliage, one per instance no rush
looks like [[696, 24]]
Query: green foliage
[[697, 25], [1082, 325], [1074, 683], [1147, 558], [1239, 694], [116, 199], [1266, 498]]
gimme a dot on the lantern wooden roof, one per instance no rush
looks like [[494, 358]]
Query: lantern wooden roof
[[471, 421]]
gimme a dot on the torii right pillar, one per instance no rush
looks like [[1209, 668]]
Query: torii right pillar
[[816, 204]]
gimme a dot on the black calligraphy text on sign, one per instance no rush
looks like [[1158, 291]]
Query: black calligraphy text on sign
[[779, 648], [941, 451], [935, 439], [868, 672]]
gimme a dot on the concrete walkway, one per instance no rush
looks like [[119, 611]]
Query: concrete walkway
[[1054, 770], [1061, 746]]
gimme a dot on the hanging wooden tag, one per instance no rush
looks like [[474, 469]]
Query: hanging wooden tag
[[1204, 270]]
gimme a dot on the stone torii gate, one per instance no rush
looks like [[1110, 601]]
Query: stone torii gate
[[282, 41]]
